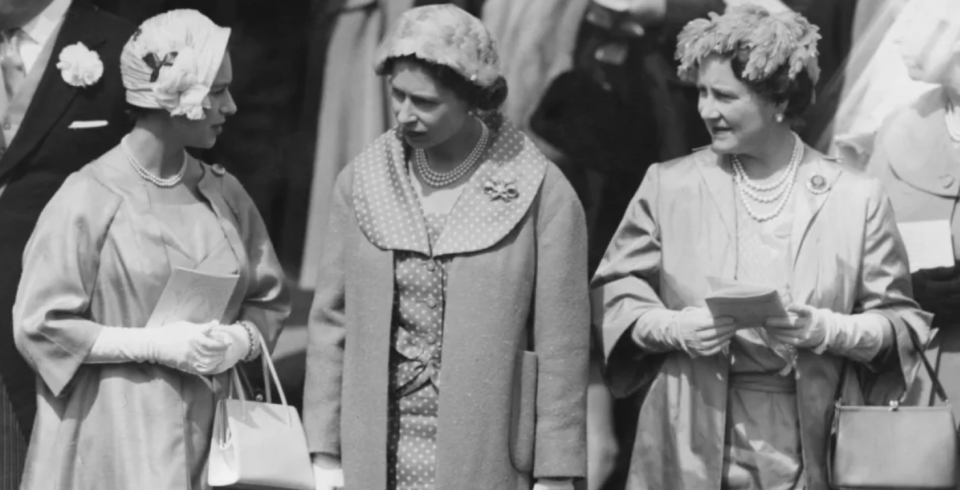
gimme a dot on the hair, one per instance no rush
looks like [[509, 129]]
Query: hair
[[486, 99], [775, 55]]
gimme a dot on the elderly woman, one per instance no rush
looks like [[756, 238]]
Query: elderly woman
[[915, 157], [745, 406], [449, 333], [120, 405]]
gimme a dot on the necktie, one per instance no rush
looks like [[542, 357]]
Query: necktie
[[11, 62]]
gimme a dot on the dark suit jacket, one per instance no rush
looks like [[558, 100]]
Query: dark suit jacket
[[43, 153]]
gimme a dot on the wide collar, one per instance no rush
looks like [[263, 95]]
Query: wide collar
[[494, 200], [922, 153], [717, 175]]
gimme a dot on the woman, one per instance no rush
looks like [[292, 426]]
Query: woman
[[916, 159], [450, 234], [120, 405], [745, 406]]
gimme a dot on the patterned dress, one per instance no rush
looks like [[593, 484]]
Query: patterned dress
[[415, 365]]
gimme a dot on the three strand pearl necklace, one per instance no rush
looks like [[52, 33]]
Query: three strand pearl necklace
[[952, 119], [149, 177], [443, 179], [779, 192]]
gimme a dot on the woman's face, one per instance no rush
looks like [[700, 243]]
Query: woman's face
[[427, 112], [204, 133], [930, 48], [737, 118]]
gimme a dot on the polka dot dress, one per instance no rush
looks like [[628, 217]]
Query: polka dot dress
[[415, 366]]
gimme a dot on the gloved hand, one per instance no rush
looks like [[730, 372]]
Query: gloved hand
[[697, 332], [549, 484], [237, 339], [327, 472], [183, 345], [938, 291], [859, 337], [186, 346], [805, 327]]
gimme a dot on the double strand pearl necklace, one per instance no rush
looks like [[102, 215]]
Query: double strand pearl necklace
[[442, 179], [782, 188], [149, 177], [952, 119]]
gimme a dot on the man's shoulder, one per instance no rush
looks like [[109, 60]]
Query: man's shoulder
[[111, 26]]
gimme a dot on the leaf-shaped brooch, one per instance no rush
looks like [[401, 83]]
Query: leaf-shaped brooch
[[505, 190]]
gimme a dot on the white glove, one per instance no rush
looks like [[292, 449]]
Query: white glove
[[859, 337], [692, 330], [238, 345], [553, 485], [182, 345], [327, 472]]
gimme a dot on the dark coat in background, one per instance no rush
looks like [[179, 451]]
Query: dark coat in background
[[36, 162]]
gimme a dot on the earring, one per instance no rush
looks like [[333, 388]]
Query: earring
[[778, 118]]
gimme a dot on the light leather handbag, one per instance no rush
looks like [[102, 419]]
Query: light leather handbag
[[901, 447], [257, 445]]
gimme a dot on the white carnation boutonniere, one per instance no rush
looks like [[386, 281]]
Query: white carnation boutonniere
[[79, 66]]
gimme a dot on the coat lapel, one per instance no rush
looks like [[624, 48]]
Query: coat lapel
[[717, 177], [808, 203], [53, 95]]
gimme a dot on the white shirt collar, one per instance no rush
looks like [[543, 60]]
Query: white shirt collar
[[41, 27]]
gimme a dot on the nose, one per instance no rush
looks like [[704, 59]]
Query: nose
[[405, 114], [708, 112], [229, 106]]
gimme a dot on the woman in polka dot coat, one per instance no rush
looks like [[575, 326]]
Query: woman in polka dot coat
[[449, 333]]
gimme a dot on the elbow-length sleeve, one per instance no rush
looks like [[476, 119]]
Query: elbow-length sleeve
[[561, 337], [325, 345], [51, 322], [885, 289], [266, 303], [625, 288]]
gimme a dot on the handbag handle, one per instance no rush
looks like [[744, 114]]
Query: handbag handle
[[937, 387]]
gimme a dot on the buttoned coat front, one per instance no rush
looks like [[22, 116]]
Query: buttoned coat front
[[846, 256], [515, 324]]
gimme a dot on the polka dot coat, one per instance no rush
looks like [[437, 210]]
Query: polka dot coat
[[419, 367]]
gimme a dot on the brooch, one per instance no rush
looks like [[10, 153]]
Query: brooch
[[499, 189], [817, 184]]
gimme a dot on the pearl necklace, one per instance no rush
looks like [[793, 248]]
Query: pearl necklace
[[783, 186], [443, 179], [149, 177], [951, 118]]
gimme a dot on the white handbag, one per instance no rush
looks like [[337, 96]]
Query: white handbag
[[256, 445]]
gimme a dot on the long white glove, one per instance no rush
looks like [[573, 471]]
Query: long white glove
[[186, 346], [553, 485], [692, 330], [327, 472], [859, 337]]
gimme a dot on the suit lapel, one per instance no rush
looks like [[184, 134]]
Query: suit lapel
[[53, 95]]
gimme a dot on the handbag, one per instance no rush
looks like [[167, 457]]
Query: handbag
[[902, 447], [258, 445]]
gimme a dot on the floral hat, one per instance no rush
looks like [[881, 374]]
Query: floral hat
[[445, 35], [171, 61], [772, 40]]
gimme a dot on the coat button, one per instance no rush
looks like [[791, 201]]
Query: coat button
[[432, 338], [431, 266], [431, 302]]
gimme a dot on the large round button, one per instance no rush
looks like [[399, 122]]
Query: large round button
[[431, 302], [431, 338], [431, 266]]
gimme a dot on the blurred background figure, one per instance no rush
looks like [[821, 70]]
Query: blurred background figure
[[916, 154]]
